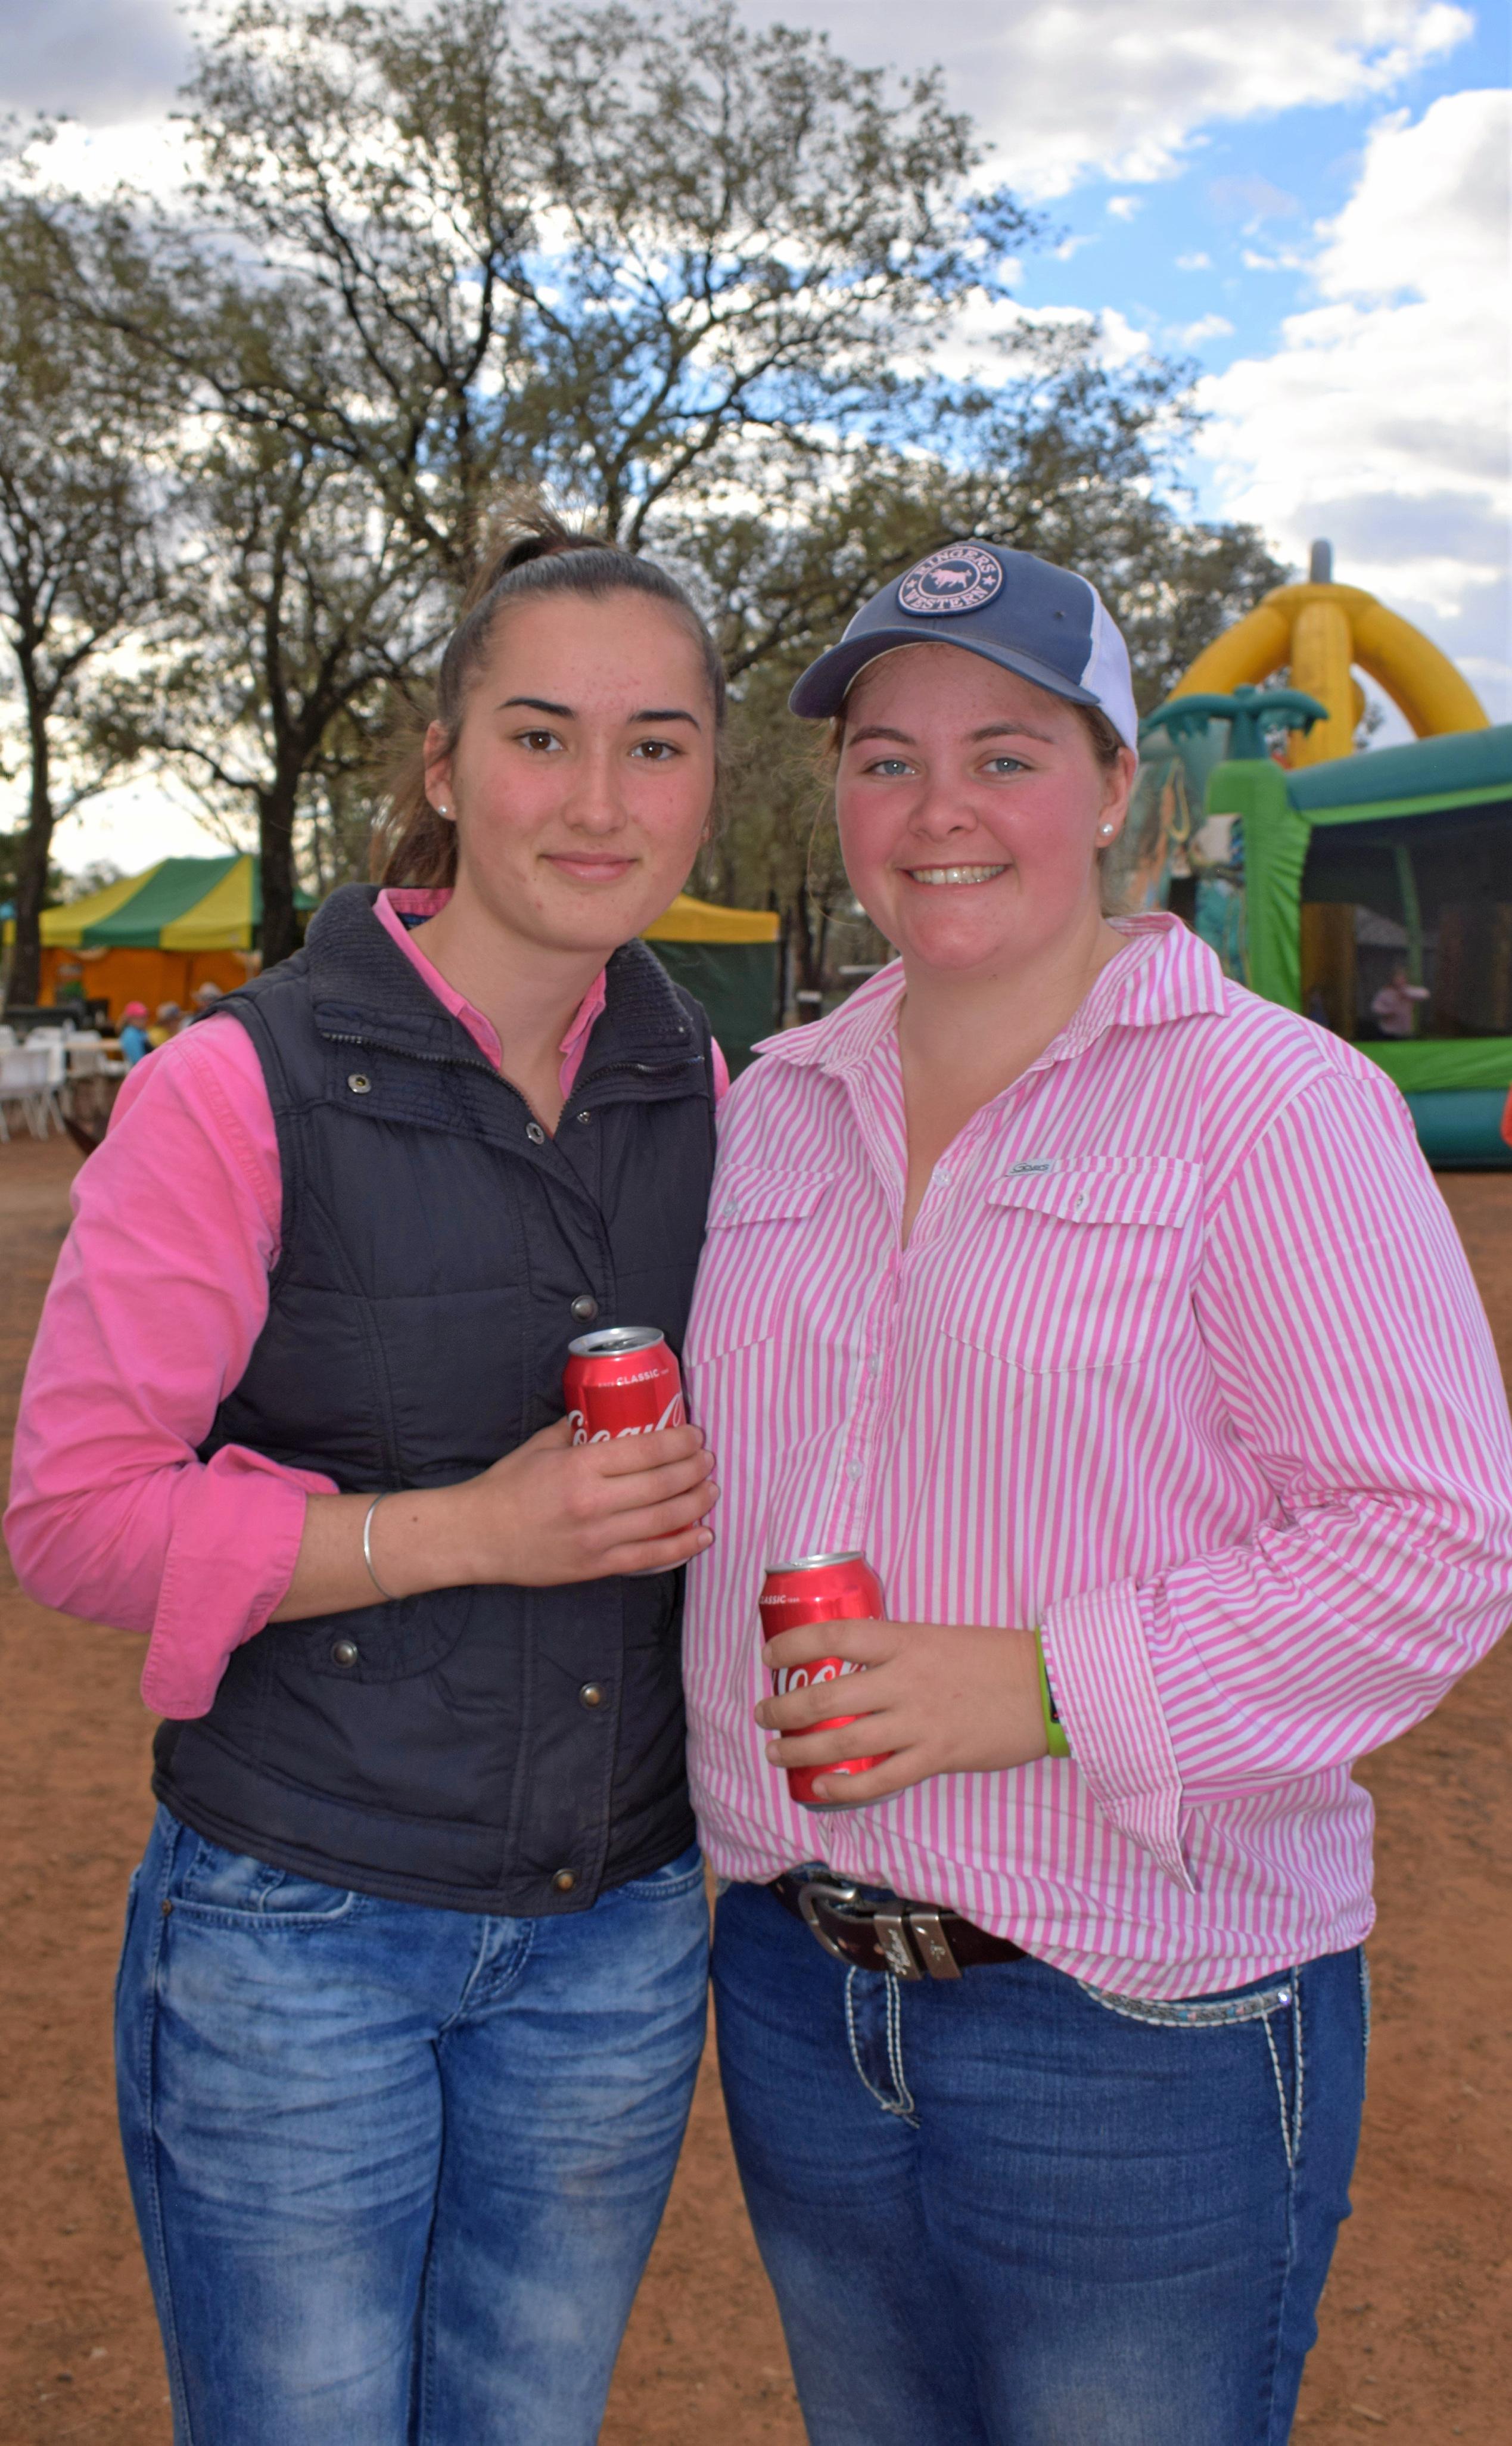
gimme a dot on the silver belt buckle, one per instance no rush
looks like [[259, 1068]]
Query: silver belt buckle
[[829, 1890], [912, 1940]]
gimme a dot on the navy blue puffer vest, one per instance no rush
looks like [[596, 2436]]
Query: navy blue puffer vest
[[491, 1749]]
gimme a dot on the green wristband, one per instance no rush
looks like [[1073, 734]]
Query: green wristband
[[1055, 1739]]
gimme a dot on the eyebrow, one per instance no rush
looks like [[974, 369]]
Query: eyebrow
[[989, 730], [567, 713]]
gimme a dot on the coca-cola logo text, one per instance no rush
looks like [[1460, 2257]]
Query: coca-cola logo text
[[671, 1417], [805, 1677]]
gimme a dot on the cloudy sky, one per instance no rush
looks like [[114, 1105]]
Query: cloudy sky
[[1310, 198]]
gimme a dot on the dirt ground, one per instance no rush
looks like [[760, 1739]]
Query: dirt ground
[[1414, 2328]]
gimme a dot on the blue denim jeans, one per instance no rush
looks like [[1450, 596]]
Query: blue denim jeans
[[1009, 2211], [397, 2170]]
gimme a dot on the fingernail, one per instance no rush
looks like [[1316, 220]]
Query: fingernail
[[706, 1536]]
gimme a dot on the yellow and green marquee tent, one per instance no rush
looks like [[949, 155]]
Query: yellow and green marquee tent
[[156, 938], [187, 921]]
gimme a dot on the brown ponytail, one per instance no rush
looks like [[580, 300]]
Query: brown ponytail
[[532, 554]]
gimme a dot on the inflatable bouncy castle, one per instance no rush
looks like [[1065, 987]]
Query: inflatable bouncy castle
[[1373, 892]]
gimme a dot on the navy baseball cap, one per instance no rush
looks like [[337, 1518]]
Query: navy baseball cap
[[1047, 624]]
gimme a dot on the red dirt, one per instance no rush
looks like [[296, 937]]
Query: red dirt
[[1414, 2340]]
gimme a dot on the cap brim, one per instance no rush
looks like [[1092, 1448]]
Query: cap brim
[[821, 691]]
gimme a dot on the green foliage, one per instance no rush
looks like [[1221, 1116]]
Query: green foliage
[[688, 275]]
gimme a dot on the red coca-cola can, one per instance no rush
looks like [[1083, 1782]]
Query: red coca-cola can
[[622, 1381], [820, 1587]]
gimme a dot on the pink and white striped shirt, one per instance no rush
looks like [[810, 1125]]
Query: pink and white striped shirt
[[1182, 1366]]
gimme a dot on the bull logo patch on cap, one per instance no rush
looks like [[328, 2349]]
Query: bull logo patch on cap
[[961, 578]]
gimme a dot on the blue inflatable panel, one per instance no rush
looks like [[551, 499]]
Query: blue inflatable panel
[[1460, 1128]]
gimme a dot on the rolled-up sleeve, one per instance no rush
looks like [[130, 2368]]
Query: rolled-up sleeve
[[1360, 1380], [159, 1294]]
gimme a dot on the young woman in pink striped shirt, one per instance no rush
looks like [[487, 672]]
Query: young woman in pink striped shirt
[[1115, 1315]]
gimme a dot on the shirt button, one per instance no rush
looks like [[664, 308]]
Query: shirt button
[[591, 1694], [359, 1083], [584, 1307], [344, 1651], [535, 1134], [563, 1881], [853, 1472]]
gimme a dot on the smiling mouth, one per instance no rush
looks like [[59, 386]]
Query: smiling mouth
[[942, 874], [575, 864]]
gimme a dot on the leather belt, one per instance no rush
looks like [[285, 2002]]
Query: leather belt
[[912, 1940]]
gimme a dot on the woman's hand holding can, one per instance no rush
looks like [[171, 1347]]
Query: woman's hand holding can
[[938, 1698], [553, 1511]]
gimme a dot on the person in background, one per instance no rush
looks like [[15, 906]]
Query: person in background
[[135, 1038], [205, 997], [412, 1991], [1395, 1006], [169, 1020], [1115, 1315]]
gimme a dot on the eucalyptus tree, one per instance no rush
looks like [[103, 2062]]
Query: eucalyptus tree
[[602, 250], [298, 604], [84, 502]]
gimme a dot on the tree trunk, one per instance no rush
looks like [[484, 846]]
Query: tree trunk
[[279, 935], [31, 880]]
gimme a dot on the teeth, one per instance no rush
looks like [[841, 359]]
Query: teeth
[[953, 874]]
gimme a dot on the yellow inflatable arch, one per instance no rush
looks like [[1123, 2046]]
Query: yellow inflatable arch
[[1319, 630]]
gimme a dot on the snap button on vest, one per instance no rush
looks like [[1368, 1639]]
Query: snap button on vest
[[535, 1134], [584, 1307], [585, 1116], [563, 1881], [591, 1694], [344, 1651], [359, 1083]]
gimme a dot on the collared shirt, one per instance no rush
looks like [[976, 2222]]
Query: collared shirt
[[159, 1294], [1182, 1366]]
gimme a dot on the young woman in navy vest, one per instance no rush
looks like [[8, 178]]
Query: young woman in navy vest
[[413, 1992]]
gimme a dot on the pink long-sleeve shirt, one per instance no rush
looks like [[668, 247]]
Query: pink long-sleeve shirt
[[1182, 1366], [159, 1294]]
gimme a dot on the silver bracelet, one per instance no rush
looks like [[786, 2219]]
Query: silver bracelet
[[388, 1595]]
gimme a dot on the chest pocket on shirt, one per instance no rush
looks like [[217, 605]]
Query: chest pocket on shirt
[[756, 1250], [1084, 1266]]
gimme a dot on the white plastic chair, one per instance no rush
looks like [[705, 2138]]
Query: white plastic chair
[[26, 1080]]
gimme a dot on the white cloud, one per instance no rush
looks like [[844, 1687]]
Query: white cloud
[[1194, 263], [1063, 90], [1382, 420], [1078, 86], [1123, 208], [103, 59], [1207, 326]]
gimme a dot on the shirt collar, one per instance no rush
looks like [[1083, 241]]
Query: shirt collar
[[1165, 972], [413, 903]]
